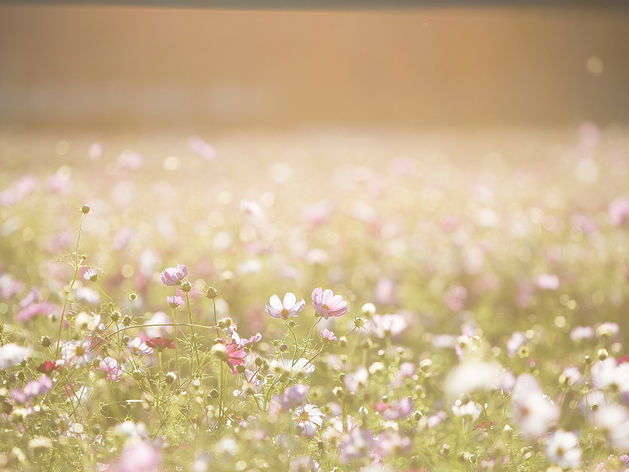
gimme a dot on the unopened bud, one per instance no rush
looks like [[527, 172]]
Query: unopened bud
[[85, 209]]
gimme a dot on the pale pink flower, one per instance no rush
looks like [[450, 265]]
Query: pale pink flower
[[388, 325], [112, 369], [309, 418], [283, 309], [579, 333], [396, 409], [547, 282], [137, 347], [607, 329], [327, 335], [303, 464], [173, 275], [138, 457], [386, 291], [618, 211], [253, 339], [291, 397], [392, 444], [356, 445], [174, 301], [32, 389], [327, 304], [515, 342], [455, 297], [33, 310]]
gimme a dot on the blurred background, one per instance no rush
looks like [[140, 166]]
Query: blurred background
[[131, 68]]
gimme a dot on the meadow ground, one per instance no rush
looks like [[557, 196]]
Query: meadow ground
[[464, 300]]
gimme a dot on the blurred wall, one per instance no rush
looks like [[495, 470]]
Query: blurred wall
[[123, 67]]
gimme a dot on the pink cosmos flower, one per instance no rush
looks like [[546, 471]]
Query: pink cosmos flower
[[173, 275], [395, 410], [32, 389], [291, 397], [309, 418], [231, 353], [34, 309], [327, 335], [283, 309], [138, 457], [356, 445], [112, 369], [174, 301], [618, 211], [327, 304], [137, 346]]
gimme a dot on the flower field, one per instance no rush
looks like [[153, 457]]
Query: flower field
[[321, 300]]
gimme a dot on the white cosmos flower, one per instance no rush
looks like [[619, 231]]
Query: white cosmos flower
[[12, 354], [562, 449], [77, 353], [613, 420], [470, 376], [471, 410], [388, 325], [534, 412], [284, 308], [309, 418]]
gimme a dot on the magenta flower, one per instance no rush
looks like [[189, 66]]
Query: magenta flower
[[283, 309], [173, 275], [232, 353], [327, 304], [111, 368]]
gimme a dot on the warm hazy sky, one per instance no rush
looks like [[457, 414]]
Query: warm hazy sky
[[128, 66]]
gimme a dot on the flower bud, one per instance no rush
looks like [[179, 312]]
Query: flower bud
[[603, 354], [186, 286], [115, 315], [45, 341], [133, 297], [170, 378], [85, 209], [213, 393]]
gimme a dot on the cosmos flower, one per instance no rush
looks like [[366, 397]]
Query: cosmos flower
[[607, 374], [32, 389], [174, 301], [160, 343], [137, 347], [327, 304], [283, 309], [387, 325], [396, 409], [309, 418], [534, 412], [562, 449], [470, 410], [291, 397], [327, 335], [356, 445], [173, 275], [111, 368], [232, 353], [91, 275], [77, 353]]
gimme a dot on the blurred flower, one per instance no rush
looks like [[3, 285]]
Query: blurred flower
[[137, 347], [613, 421], [32, 389], [470, 411], [581, 332], [396, 409], [618, 211], [232, 353], [356, 445], [608, 329], [160, 343], [152, 326], [77, 353], [291, 397], [354, 381], [137, 457], [32, 310], [607, 374], [173, 275], [111, 368], [327, 304], [283, 309], [203, 149], [455, 297], [547, 282], [48, 367], [534, 412], [387, 325], [303, 464], [562, 449], [386, 291], [517, 340], [309, 418], [327, 335], [392, 444]]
